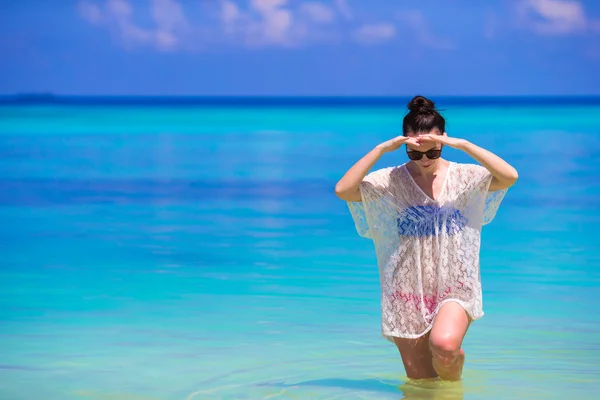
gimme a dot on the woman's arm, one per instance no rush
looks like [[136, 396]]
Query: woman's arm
[[348, 187], [505, 175]]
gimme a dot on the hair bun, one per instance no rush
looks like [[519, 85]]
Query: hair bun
[[420, 104]]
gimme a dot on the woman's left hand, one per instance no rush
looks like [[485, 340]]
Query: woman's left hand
[[504, 174], [443, 139]]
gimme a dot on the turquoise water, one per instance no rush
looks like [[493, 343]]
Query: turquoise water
[[193, 252]]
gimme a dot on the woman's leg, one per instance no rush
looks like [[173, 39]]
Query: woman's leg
[[445, 340], [416, 357]]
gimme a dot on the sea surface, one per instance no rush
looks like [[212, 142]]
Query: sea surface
[[194, 249]]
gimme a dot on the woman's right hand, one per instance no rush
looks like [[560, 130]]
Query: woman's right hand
[[348, 188], [395, 143]]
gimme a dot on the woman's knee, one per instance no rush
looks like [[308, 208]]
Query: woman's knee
[[449, 328], [445, 347]]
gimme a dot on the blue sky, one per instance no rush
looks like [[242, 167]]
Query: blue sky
[[296, 47]]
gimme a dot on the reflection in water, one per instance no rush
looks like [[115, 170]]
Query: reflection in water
[[428, 389], [424, 389], [363, 385]]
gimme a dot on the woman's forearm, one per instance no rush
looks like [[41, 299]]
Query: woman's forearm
[[348, 187], [505, 175]]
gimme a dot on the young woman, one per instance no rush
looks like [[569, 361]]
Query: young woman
[[425, 219]]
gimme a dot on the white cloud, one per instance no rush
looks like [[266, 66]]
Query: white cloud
[[555, 17], [118, 14], [120, 8], [276, 20], [264, 22], [169, 20], [230, 17], [276, 23], [229, 12], [417, 22], [168, 15], [172, 26], [255, 23], [90, 12], [343, 8], [251, 23], [375, 33], [318, 12]]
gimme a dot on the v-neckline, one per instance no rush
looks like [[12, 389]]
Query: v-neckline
[[412, 179]]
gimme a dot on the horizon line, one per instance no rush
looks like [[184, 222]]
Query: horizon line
[[289, 100], [432, 96]]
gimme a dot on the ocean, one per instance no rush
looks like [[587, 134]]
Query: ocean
[[194, 249]]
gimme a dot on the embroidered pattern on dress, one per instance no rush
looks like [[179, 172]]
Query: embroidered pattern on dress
[[430, 221]]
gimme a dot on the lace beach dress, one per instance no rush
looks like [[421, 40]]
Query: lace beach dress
[[427, 250]]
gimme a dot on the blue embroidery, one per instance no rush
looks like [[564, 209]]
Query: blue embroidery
[[430, 221]]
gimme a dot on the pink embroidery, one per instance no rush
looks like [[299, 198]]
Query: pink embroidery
[[429, 300]]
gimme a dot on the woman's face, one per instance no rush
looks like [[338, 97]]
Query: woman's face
[[425, 162]]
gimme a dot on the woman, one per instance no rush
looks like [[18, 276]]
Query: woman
[[425, 219]]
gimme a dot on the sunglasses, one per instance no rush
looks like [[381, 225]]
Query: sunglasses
[[417, 155]]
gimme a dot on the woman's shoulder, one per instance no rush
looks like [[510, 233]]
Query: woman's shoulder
[[383, 176], [385, 171], [468, 168], [470, 174]]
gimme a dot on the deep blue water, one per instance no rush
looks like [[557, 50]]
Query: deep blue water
[[177, 251]]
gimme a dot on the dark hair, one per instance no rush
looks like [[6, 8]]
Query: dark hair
[[422, 117]]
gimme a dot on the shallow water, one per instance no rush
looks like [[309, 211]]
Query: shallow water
[[173, 252]]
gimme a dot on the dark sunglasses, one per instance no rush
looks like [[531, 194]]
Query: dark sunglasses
[[417, 155]]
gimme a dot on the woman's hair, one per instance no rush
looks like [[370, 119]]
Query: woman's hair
[[422, 117]]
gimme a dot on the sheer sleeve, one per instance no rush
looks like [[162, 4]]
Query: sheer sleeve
[[372, 191], [492, 203], [357, 210], [481, 180]]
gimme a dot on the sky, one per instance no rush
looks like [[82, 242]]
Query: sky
[[300, 48]]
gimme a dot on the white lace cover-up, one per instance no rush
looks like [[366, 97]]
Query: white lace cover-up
[[427, 250]]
